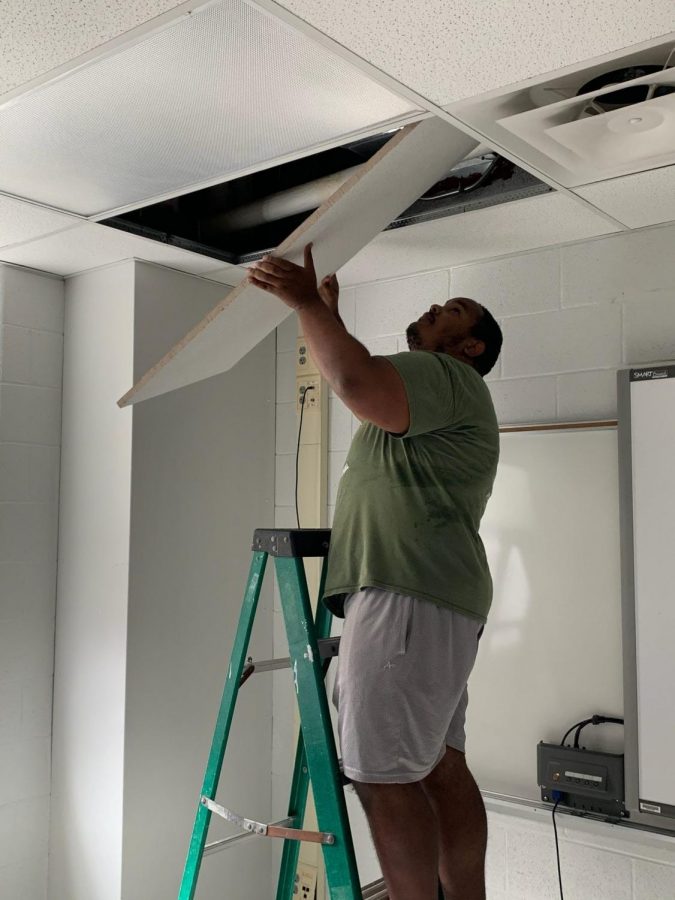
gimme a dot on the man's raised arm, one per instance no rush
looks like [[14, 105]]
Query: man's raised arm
[[369, 385]]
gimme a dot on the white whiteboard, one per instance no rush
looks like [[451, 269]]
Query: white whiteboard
[[551, 653], [653, 450]]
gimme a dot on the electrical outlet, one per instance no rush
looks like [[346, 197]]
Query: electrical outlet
[[305, 882], [313, 398], [304, 362]]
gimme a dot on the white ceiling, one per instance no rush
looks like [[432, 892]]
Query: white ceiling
[[43, 35], [226, 90], [21, 221], [449, 51], [431, 51], [647, 198], [89, 245]]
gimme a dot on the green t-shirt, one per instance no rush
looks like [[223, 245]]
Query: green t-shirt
[[408, 507]]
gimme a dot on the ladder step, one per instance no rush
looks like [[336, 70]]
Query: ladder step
[[262, 828], [295, 542], [328, 648], [226, 843]]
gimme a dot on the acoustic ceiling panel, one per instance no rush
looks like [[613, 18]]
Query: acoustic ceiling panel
[[90, 245], [21, 221], [44, 34], [497, 231], [449, 51], [647, 198], [227, 89]]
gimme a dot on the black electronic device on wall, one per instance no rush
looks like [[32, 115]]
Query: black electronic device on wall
[[589, 781]]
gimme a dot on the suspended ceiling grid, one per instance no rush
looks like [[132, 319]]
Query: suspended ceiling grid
[[631, 25], [90, 246], [458, 59], [42, 36], [450, 51], [646, 198], [222, 91]]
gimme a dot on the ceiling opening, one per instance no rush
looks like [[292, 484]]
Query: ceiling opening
[[239, 220]]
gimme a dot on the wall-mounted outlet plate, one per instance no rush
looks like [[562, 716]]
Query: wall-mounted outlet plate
[[309, 387], [305, 882]]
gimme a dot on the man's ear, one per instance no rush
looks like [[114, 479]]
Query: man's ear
[[474, 348]]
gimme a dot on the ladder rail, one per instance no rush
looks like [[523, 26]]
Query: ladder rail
[[316, 761], [223, 724], [317, 727]]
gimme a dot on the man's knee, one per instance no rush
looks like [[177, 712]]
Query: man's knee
[[375, 796], [452, 763]]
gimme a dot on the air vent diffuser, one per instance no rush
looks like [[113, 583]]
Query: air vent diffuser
[[593, 141], [599, 120]]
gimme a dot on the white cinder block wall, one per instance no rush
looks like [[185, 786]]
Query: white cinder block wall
[[571, 315], [31, 358]]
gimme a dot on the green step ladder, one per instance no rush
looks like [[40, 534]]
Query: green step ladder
[[310, 648]]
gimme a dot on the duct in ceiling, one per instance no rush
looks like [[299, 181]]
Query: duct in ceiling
[[241, 219]]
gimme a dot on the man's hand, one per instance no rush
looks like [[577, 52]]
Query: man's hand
[[370, 386], [294, 285], [329, 291]]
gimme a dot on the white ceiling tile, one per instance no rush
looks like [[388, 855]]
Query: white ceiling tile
[[450, 51], [90, 245], [44, 34], [228, 89], [647, 198], [21, 221], [509, 228]]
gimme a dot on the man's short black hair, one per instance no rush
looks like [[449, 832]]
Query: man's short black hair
[[488, 331]]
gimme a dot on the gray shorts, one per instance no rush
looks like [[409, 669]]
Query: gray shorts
[[401, 685]]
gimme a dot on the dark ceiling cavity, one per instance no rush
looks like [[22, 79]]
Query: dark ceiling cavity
[[625, 96], [201, 221]]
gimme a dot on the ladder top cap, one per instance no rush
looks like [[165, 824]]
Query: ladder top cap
[[292, 542]]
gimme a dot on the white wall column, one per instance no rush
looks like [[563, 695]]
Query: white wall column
[[31, 357], [158, 506], [91, 620]]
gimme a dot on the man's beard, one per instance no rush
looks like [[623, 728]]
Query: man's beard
[[412, 334]]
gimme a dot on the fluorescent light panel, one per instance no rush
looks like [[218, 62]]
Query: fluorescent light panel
[[224, 90]]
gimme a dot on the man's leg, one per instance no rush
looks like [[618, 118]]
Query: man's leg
[[405, 833], [460, 812]]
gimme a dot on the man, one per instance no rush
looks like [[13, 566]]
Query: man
[[408, 571]]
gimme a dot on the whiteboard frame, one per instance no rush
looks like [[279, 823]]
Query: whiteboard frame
[[628, 605]]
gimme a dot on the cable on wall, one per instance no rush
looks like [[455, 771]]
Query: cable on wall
[[297, 452]]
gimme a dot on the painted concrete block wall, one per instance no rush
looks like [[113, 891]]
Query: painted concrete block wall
[[31, 359], [571, 316]]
